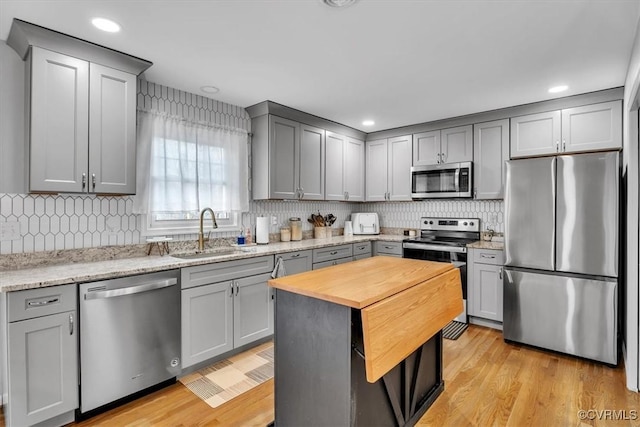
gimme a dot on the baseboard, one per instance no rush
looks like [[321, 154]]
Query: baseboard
[[485, 322]]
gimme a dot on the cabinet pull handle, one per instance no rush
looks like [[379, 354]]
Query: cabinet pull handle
[[347, 195], [438, 158], [84, 180], [237, 288], [475, 193], [487, 256], [231, 285], [301, 193], [564, 146], [334, 252], [71, 324], [295, 255], [388, 247], [557, 147], [500, 273], [443, 157], [93, 180], [43, 302]]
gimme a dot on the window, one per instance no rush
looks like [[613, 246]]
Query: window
[[189, 167]]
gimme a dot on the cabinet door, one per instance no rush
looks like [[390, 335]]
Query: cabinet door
[[399, 167], [312, 157], [297, 262], [592, 127], [490, 150], [335, 164], [112, 131], [59, 140], [252, 309], [284, 166], [487, 291], [207, 322], [376, 170], [535, 134], [456, 144], [43, 368], [426, 148], [354, 169]]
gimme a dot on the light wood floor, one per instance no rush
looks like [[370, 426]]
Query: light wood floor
[[488, 383]]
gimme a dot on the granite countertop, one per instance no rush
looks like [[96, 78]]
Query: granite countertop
[[40, 277], [482, 244]]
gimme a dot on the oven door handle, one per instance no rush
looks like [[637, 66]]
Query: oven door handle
[[136, 289], [439, 248]]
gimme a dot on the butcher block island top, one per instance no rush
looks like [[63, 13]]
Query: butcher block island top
[[403, 302], [361, 283]]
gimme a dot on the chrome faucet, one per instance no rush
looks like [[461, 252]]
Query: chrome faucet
[[201, 238]]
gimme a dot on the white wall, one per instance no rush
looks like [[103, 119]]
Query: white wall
[[630, 170], [12, 76]]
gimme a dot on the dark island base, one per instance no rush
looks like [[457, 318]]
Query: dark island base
[[320, 376]]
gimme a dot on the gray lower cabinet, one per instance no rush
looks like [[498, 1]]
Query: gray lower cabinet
[[42, 356], [225, 305], [361, 250], [484, 287], [490, 151], [297, 262], [393, 249]]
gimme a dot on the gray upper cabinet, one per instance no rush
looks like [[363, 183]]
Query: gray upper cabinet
[[288, 159], [82, 131], [344, 168], [112, 131], [354, 169], [312, 162], [490, 150], [426, 148], [389, 169], [456, 144], [592, 127], [573, 130], [59, 107], [450, 145]]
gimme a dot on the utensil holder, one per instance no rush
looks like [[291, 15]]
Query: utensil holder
[[321, 232]]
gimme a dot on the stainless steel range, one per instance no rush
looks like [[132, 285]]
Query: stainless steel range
[[445, 240]]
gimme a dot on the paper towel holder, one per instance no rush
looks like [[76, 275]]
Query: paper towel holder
[[262, 230]]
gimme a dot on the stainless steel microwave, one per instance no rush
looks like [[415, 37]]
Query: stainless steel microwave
[[442, 181]]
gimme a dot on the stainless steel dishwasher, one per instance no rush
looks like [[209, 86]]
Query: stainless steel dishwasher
[[129, 336]]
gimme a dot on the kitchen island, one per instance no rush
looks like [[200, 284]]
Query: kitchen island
[[360, 343]]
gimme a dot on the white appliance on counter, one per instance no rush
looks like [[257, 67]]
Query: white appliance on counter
[[262, 230], [365, 223]]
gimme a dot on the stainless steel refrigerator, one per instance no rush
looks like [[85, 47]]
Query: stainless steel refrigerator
[[561, 247]]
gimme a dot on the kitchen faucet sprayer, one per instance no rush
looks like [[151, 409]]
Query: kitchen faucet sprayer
[[201, 238]]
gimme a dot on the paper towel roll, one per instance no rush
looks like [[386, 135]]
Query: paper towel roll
[[262, 230]]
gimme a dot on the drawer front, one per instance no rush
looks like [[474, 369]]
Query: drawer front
[[361, 248], [488, 256], [293, 255], [331, 253], [226, 270], [391, 248], [41, 302], [318, 265]]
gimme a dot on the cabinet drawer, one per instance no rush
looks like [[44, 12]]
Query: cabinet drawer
[[318, 265], [488, 256], [389, 248], [293, 255], [226, 270], [331, 253], [361, 248], [41, 302]]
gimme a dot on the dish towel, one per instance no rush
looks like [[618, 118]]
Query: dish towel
[[278, 270]]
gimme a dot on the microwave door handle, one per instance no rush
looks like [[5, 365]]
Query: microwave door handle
[[456, 181]]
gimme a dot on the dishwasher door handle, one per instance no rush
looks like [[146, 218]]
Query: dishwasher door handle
[[137, 289]]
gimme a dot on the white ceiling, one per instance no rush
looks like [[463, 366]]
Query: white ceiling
[[398, 62]]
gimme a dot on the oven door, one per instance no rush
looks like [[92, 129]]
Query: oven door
[[456, 256]]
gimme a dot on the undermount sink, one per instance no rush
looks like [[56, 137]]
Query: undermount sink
[[207, 254]]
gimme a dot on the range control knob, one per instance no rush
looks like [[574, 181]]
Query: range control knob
[[426, 222], [465, 223], [431, 222], [471, 223]]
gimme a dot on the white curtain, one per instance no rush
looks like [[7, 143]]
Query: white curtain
[[183, 167]]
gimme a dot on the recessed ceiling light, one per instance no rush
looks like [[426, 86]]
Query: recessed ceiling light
[[339, 3], [105, 24], [557, 89], [209, 89], [368, 123]]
